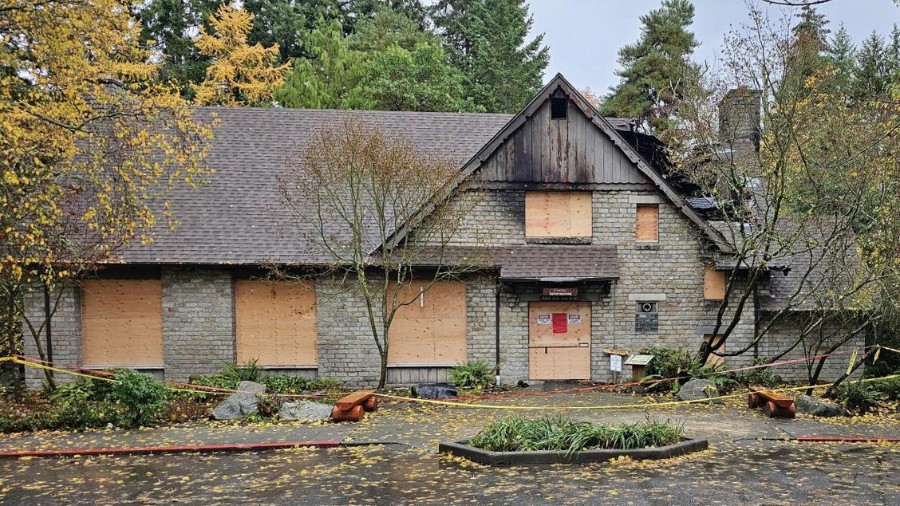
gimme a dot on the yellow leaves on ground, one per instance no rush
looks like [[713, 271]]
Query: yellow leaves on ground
[[240, 74]]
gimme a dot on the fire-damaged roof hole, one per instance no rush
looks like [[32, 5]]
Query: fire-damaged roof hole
[[559, 104]]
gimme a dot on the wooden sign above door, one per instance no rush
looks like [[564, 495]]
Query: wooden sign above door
[[560, 291]]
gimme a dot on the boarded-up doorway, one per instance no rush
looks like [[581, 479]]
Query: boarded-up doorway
[[559, 340]]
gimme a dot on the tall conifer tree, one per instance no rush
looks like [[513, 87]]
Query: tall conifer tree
[[656, 70], [488, 42]]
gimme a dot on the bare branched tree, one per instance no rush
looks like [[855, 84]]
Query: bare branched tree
[[380, 212], [800, 191]]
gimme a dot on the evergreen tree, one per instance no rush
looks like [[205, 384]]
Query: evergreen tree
[[388, 27], [810, 43], [656, 70], [330, 78], [488, 42], [419, 79], [288, 22], [872, 67], [388, 65], [841, 53], [168, 27]]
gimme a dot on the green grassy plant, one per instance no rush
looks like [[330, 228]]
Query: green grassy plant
[[471, 375], [558, 433]]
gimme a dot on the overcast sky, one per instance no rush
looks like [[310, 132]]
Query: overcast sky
[[585, 35]]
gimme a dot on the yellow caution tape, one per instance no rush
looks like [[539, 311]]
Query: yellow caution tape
[[877, 354], [465, 405], [16, 360], [612, 406], [36, 365]]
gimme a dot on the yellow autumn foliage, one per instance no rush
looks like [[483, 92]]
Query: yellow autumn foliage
[[240, 74], [87, 136]]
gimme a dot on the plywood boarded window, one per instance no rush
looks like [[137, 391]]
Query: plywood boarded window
[[714, 284], [275, 323], [121, 323], [647, 223], [715, 360], [431, 330], [557, 214]]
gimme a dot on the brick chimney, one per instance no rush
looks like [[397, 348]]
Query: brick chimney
[[739, 120]]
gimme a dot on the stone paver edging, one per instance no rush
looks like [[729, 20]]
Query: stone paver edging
[[461, 449]]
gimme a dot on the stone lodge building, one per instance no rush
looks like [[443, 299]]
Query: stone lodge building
[[597, 254]]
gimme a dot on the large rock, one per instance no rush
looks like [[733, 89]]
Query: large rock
[[306, 411], [818, 407], [240, 404], [697, 389]]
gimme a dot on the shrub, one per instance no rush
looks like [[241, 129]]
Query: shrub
[[669, 362], [558, 433], [143, 397], [183, 409], [471, 375], [247, 372], [890, 388], [763, 377], [268, 405], [329, 384], [285, 384], [857, 396]]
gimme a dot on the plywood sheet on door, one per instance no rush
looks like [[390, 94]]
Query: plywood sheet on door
[[432, 328], [559, 363], [543, 335], [275, 323], [122, 323]]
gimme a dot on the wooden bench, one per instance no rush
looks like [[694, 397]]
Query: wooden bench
[[350, 408], [772, 403]]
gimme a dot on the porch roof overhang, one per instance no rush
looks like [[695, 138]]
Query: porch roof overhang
[[558, 263]]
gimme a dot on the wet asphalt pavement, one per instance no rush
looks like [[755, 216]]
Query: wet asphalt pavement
[[746, 464]]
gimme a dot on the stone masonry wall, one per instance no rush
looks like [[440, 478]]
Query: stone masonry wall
[[785, 333], [347, 350], [494, 218], [65, 328], [669, 272], [198, 321]]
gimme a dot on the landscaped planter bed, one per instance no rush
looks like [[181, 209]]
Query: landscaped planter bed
[[462, 449]]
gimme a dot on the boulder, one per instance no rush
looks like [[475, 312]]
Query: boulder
[[240, 404], [698, 389], [818, 407], [305, 411], [436, 391]]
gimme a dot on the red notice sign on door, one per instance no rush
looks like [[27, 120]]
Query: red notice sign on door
[[560, 323]]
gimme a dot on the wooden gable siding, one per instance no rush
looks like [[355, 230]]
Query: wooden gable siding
[[570, 150]]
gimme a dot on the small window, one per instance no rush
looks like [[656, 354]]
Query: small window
[[714, 283], [647, 223], [646, 317], [559, 105]]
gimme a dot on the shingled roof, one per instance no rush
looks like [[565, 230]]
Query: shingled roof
[[237, 217], [558, 263]]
